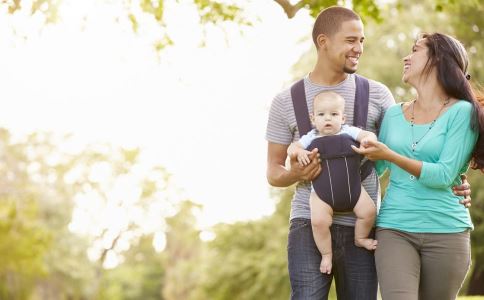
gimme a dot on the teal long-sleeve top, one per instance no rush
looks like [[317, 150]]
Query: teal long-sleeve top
[[427, 204]]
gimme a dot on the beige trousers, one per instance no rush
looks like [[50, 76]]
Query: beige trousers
[[421, 266]]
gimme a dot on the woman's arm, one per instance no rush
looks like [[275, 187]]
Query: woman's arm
[[375, 150], [460, 140]]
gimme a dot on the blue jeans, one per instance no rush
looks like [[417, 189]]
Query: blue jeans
[[353, 267]]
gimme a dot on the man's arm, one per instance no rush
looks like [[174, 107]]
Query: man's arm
[[278, 175]]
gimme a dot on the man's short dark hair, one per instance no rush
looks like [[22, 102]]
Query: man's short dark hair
[[329, 21]]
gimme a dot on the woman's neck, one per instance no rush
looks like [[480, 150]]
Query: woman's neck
[[430, 94]]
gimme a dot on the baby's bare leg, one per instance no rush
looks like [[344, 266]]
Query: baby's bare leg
[[365, 212], [321, 219]]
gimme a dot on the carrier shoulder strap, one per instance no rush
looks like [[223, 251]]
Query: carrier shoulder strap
[[360, 116], [362, 98], [362, 95], [298, 95]]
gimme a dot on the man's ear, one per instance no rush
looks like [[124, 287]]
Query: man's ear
[[322, 40]]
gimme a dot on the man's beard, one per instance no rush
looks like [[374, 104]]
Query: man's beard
[[348, 70]]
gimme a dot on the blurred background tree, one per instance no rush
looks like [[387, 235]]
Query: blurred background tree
[[41, 252]]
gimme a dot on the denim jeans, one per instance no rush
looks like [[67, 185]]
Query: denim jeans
[[353, 267]]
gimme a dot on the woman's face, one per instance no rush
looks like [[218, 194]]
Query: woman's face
[[414, 63]]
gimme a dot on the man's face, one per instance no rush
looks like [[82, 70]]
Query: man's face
[[344, 48]]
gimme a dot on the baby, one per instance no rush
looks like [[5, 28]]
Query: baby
[[328, 119]]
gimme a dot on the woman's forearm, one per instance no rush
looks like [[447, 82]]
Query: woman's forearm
[[412, 166]]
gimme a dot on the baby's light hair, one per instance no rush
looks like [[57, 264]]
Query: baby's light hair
[[329, 96]]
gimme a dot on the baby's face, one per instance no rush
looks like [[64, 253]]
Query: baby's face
[[328, 116]]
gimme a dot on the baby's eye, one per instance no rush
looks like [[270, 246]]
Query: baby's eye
[[321, 114], [334, 114]]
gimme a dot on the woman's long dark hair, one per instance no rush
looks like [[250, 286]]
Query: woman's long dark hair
[[449, 57]]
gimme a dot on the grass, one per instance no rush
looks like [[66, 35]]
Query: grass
[[332, 295]]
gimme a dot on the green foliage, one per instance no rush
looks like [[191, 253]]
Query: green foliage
[[210, 11], [140, 276], [247, 260], [477, 214], [368, 9], [39, 251], [23, 244], [154, 8], [476, 276], [183, 253], [315, 7], [49, 8], [216, 12]]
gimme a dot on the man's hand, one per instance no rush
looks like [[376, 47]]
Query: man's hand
[[463, 190], [279, 175], [308, 172]]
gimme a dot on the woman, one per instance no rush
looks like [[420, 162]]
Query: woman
[[422, 231]]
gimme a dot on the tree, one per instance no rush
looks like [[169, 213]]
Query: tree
[[56, 206], [37, 205], [140, 276], [184, 253], [247, 260]]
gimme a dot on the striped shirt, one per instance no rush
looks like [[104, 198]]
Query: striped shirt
[[282, 129]]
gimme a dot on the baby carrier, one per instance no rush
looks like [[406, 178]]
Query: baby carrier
[[339, 183]]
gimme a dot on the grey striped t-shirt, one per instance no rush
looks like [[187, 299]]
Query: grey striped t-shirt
[[282, 129]]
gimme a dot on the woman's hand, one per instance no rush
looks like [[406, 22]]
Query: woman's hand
[[374, 150]]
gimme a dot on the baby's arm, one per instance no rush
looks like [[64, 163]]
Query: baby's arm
[[365, 136], [297, 149]]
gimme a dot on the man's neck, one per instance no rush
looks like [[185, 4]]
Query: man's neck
[[323, 75]]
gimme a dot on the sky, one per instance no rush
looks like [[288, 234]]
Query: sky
[[198, 111]]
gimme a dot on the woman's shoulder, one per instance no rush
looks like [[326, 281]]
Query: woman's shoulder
[[463, 104], [394, 110], [462, 107]]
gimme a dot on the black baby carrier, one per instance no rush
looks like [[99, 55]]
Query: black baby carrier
[[339, 183]]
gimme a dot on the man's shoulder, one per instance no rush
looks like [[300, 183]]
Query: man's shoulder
[[284, 97], [377, 86], [380, 93]]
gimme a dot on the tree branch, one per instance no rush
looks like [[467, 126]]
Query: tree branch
[[290, 9]]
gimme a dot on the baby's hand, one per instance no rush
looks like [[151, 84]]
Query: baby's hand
[[303, 158], [364, 141]]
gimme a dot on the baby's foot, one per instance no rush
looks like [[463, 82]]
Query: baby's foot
[[369, 244], [326, 263]]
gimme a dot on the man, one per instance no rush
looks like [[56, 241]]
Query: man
[[338, 37]]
